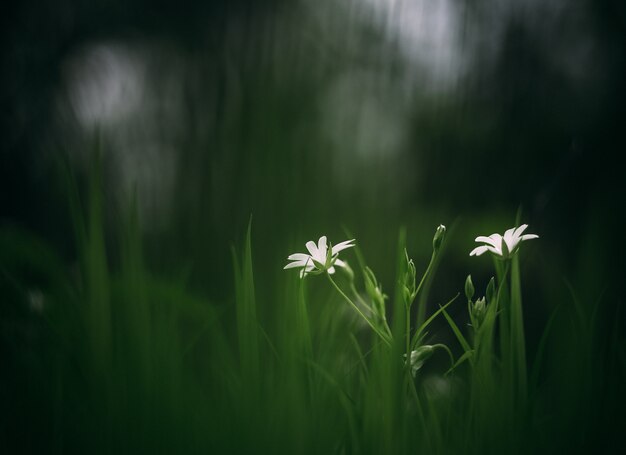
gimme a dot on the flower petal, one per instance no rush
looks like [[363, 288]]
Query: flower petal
[[508, 235], [312, 247], [339, 263], [342, 246], [488, 240], [295, 264], [519, 230], [322, 249], [308, 269], [529, 236], [511, 243], [497, 238], [331, 270], [479, 250], [298, 257]]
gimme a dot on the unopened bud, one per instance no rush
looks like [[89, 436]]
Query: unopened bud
[[370, 281], [375, 292], [408, 295], [409, 280], [438, 238], [469, 287], [418, 357], [479, 309]]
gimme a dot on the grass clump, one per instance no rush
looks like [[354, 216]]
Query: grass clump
[[117, 359]]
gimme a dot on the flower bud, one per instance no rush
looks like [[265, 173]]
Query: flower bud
[[409, 280], [479, 309], [370, 282], [418, 357], [469, 287], [438, 238], [407, 295], [375, 292]]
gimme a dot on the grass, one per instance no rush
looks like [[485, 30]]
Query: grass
[[121, 360]]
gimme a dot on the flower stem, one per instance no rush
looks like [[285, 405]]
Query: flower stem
[[445, 348], [426, 273], [421, 311], [358, 310], [408, 331], [358, 297], [503, 278], [368, 306]]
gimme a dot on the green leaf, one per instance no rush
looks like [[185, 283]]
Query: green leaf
[[467, 355], [431, 318], [457, 332]]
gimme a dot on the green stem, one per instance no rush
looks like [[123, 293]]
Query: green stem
[[408, 331], [445, 348], [358, 297], [358, 310], [426, 273], [516, 331], [421, 312], [502, 283], [369, 307]]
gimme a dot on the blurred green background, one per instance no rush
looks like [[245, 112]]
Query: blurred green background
[[311, 116]]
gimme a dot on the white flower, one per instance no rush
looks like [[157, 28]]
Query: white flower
[[503, 245], [418, 357], [321, 258]]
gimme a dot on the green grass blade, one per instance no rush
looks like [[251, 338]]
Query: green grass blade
[[247, 323], [536, 367], [467, 355], [518, 348], [457, 332], [431, 318]]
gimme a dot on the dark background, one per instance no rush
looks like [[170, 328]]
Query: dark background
[[309, 116], [315, 115]]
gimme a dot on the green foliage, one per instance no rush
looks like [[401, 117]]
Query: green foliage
[[134, 362], [247, 323]]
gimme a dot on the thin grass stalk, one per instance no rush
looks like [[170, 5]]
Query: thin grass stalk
[[421, 308], [384, 337], [247, 323], [518, 342]]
